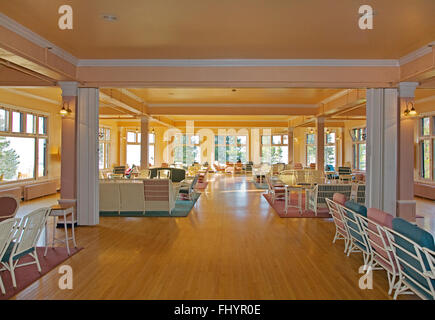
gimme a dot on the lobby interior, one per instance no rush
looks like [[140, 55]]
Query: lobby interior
[[75, 108]]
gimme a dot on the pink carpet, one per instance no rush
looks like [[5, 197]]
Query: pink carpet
[[201, 185], [26, 275], [278, 206]]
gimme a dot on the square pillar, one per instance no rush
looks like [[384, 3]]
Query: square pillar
[[290, 145], [406, 205], [144, 128], [68, 180], [320, 149], [381, 155], [87, 156]]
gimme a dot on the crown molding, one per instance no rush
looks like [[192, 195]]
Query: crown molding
[[33, 37]]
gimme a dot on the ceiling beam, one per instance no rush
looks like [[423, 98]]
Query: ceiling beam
[[30, 95], [116, 98]]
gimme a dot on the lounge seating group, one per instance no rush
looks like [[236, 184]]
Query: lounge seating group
[[139, 196], [405, 251], [18, 238]]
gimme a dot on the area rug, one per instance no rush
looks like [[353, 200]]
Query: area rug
[[182, 209], [201, 185], [278, 206], [26, 275]]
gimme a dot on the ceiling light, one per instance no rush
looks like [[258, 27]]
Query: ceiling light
[[109, 17]]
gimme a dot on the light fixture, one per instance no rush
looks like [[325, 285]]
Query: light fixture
[[311, 130], [63, 112], [412, 112], [152, 131], [327, 131]]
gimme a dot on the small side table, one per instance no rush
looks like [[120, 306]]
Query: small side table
[[288, 190], [61, 211]]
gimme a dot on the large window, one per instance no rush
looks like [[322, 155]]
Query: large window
[[104, 148], [427, 147], [187, 152], [359, 148], [133, 148], [274, 148], [23, 144], [330, 149], [230, 148], [310, 148]]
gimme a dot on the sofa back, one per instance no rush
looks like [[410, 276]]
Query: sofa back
[[177, 174], [159, 194], [328, 190]]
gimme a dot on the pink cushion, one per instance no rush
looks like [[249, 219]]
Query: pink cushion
[[380, 217], [386, 220], [339, 198], [8, 205]]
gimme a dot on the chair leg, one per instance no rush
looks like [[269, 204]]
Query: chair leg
[[12, 271], [2, 287], [37, 261]]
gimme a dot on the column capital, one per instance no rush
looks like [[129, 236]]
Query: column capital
[[69, 88], [407, 89]]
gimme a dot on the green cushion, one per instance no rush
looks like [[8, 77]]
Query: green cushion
[[16, 257]]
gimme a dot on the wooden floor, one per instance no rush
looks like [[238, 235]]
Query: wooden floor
[[231, 246]]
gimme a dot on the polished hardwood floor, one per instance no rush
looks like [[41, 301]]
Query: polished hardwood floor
[[231, 246]]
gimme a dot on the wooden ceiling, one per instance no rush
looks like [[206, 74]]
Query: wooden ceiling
[[228, 29]]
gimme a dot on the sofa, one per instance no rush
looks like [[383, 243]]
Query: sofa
[[316, 196], [177, 175], [137, 196]]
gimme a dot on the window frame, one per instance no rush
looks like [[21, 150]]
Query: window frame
[[137, 141], [35, 135], [359, 140], [271, 145], [106, 145], [430, 139], [310, 145]]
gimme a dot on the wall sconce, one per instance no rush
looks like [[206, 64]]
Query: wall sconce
[[410, 112], [311, 130], [64, 112], [327, 131]]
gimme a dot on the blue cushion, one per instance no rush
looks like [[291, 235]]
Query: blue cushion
[[9, 251], [422, 238], [358, 208]]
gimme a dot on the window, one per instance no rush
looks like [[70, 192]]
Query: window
[[133, 156], [310, 148], [427, 148], [358, 136], [230, 149], [23, 145], [104, 148], [187, 152], [330, 149], [274, 149]]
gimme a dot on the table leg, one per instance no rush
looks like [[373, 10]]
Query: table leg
[[300, 201], [66, 232], [72, 229]]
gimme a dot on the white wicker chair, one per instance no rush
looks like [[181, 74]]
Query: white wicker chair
[[24, 241], [6, 235]]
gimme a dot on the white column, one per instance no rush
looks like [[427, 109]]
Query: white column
[[87, 157], [290, 145], [144, 129], [381, 151]]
